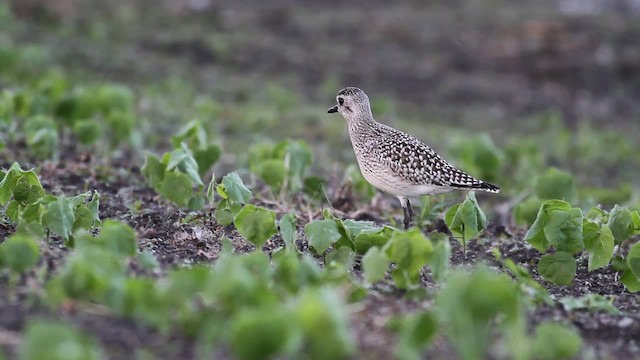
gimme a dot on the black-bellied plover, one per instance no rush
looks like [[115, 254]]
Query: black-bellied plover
[[396, 162]]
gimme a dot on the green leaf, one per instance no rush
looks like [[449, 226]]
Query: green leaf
[[557, 184], [57, 341], [260, 333], [8, 182], [619, 264], [13, 211], [439, 260], [621, 223], [288, 229], [211, 190], [255, 224], [322, 319], [554, 341], [375, 264], [84, 218], [415, 332], [234, 188], [183, 160], [526, 211], [176, 187], [154, 171], [25, 193], [321, 234], [226, 212], [366, 240], [87, 131], [469, 303], [19, 253], [630, 281], [410, 251], [564, 230], [592, 302], [536, 235], [599, 243], [273, 172], [558, 268], [118, 237], [633, 259], [343, 255], [466, 220], [207, 157], [59, 217]]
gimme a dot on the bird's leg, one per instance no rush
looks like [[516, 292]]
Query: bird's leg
[[407, 211]]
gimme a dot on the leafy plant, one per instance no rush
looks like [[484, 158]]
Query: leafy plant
[[466, 220], [58, 341], [197, 140], [175, 177]]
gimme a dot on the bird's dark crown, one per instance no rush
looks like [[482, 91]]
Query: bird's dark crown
[[350, 91]]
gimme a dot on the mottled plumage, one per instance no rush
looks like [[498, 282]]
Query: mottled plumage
[[396, 162]]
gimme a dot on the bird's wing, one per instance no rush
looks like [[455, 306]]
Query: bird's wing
[[415, 161]]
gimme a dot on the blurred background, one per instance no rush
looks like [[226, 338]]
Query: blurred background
[[505, 89]]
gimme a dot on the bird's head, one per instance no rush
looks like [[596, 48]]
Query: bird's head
[[353, 103]]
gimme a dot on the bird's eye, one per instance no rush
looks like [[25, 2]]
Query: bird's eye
[[340, 101]]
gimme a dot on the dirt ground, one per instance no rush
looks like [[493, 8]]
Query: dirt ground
[[173, 242], [471, 65]]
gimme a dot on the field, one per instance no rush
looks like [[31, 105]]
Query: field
[[172, 187]]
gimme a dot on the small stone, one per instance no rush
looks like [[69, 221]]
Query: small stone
[[626, 322]]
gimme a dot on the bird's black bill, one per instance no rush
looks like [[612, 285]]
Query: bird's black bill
[[333, 109]]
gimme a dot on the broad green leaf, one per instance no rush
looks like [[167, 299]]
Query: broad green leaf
[[558, 268], [599, 243], [410, 251], [118, 237], [25, 193], [321, 316], [526, 211], [633, 259], [564, 230], [466, 220], [557, 184], [635, 218], [207, 157], [154, 171], [273, 172], [226, 212], [630, 281], [619, 264], [13, 211], [260, 333], [536, 234], [87, 131], [593, 302], [321, 234], [59, 217], [414, 334], [469, 303], [342, 255], [439, 260], [8, 183], [57, 341], [375, 264], [256, 224], [288, 229], [19, 253], [366, 240], [621, 223], [94, 207], [197, 202], [555, 341], [176, 187], [84, 218], [183, 160], [234, 188]]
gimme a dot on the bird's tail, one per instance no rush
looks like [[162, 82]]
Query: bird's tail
[[488, 187]]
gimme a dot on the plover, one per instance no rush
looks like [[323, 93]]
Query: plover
[[395, 162]]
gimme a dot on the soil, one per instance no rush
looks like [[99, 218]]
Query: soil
[[174, 242]]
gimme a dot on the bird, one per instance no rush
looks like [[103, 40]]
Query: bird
[[395, 162]]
